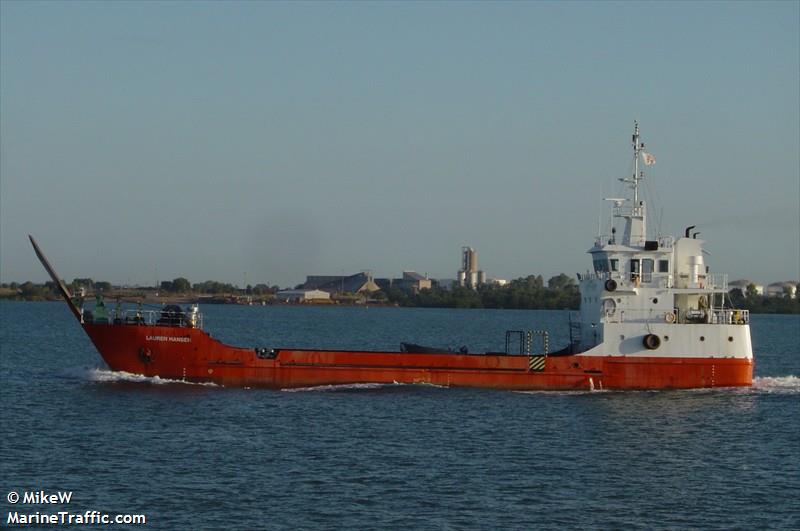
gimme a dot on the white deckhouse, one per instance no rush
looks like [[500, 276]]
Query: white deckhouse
[[654, 296]]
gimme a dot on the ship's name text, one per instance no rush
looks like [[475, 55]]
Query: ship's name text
[[173, 339]]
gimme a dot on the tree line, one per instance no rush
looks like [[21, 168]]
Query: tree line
[[181, 285], [530, 292], [751, 300], [178, 286]]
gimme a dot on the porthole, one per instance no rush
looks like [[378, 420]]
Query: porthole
[[730, 338], [702, 338], [666, 338], [655, 300]]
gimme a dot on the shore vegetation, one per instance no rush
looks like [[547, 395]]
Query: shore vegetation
[[531, 292]]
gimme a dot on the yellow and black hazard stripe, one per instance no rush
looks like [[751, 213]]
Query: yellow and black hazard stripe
[[536, 363]]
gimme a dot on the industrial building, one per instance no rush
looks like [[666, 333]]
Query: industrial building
[[358, 283], [469, 275], [302, 295], [411, 282], [781, 289], [776, 289], [743, 283]]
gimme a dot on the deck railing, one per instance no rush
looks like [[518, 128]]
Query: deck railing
[[664, 242], [137, 317], [709, 282], [631, 280], [715, 316]]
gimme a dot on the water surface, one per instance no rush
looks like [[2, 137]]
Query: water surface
[[393, 456]]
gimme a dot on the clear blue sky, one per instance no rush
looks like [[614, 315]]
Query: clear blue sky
[[266, 141]]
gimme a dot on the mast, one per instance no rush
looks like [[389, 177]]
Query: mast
[[636, 149], [635, 232]]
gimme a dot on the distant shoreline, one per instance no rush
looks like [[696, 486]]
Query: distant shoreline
[[185, 300], [203, 300]]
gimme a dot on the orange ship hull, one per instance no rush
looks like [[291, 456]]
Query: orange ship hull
[[191, 354]]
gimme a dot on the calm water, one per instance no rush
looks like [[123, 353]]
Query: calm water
[[374, 457]]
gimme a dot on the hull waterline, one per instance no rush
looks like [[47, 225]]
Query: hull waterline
[[192, 355]]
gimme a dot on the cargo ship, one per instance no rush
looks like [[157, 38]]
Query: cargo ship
[[652, 316]]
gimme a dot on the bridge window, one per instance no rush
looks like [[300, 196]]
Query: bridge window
[[663, 266], [614, 264], [635, 269], [600, 265], [647, 270]]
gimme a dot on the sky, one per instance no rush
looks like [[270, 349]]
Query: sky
[[260, 142]]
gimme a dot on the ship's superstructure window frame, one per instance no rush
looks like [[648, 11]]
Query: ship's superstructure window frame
[[635, 267], [600, 265], [663, 266], [648, 265]]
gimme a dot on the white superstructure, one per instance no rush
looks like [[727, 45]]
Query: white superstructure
[[654, 296]]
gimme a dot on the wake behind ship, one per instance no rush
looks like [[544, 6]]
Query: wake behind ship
[[652, 316]]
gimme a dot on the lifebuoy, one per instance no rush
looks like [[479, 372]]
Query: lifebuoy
[[669, 317], [611, 284], [651, 341]]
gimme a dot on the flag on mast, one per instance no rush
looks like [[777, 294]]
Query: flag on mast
[[648, 158]]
